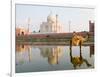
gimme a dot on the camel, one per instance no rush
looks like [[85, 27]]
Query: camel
[[77, 40]]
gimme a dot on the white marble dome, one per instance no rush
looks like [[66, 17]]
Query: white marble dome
[[51, 18]]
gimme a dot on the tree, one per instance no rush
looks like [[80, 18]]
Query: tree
[[39, 30], [34, 31]]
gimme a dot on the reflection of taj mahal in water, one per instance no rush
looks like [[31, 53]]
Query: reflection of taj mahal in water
[[53, 54], [52, 25]]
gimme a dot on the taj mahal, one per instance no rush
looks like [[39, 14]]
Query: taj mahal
[[52, 25]]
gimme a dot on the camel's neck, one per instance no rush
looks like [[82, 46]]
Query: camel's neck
[[86, 38]]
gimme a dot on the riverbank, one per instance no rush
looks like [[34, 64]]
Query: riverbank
[[51, 39], [52, 43]]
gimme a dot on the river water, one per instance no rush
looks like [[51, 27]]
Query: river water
[[35, 58]]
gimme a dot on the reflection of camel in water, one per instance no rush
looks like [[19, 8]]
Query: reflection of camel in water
[[78, 39], [78, 61]]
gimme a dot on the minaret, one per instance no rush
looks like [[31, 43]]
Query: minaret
[[56, 22], [28, 25]]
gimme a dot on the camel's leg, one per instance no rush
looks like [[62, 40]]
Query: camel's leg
[[80, 45], [80, 51], [70, 44], [87, 63], [71, 50]]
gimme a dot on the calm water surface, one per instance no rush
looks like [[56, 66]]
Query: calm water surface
[[30, 58]]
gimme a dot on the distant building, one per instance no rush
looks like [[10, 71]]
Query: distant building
[[51, 26], [91, 50], [21, 31], [91, 26]]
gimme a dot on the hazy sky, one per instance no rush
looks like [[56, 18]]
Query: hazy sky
[[79, 17]]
